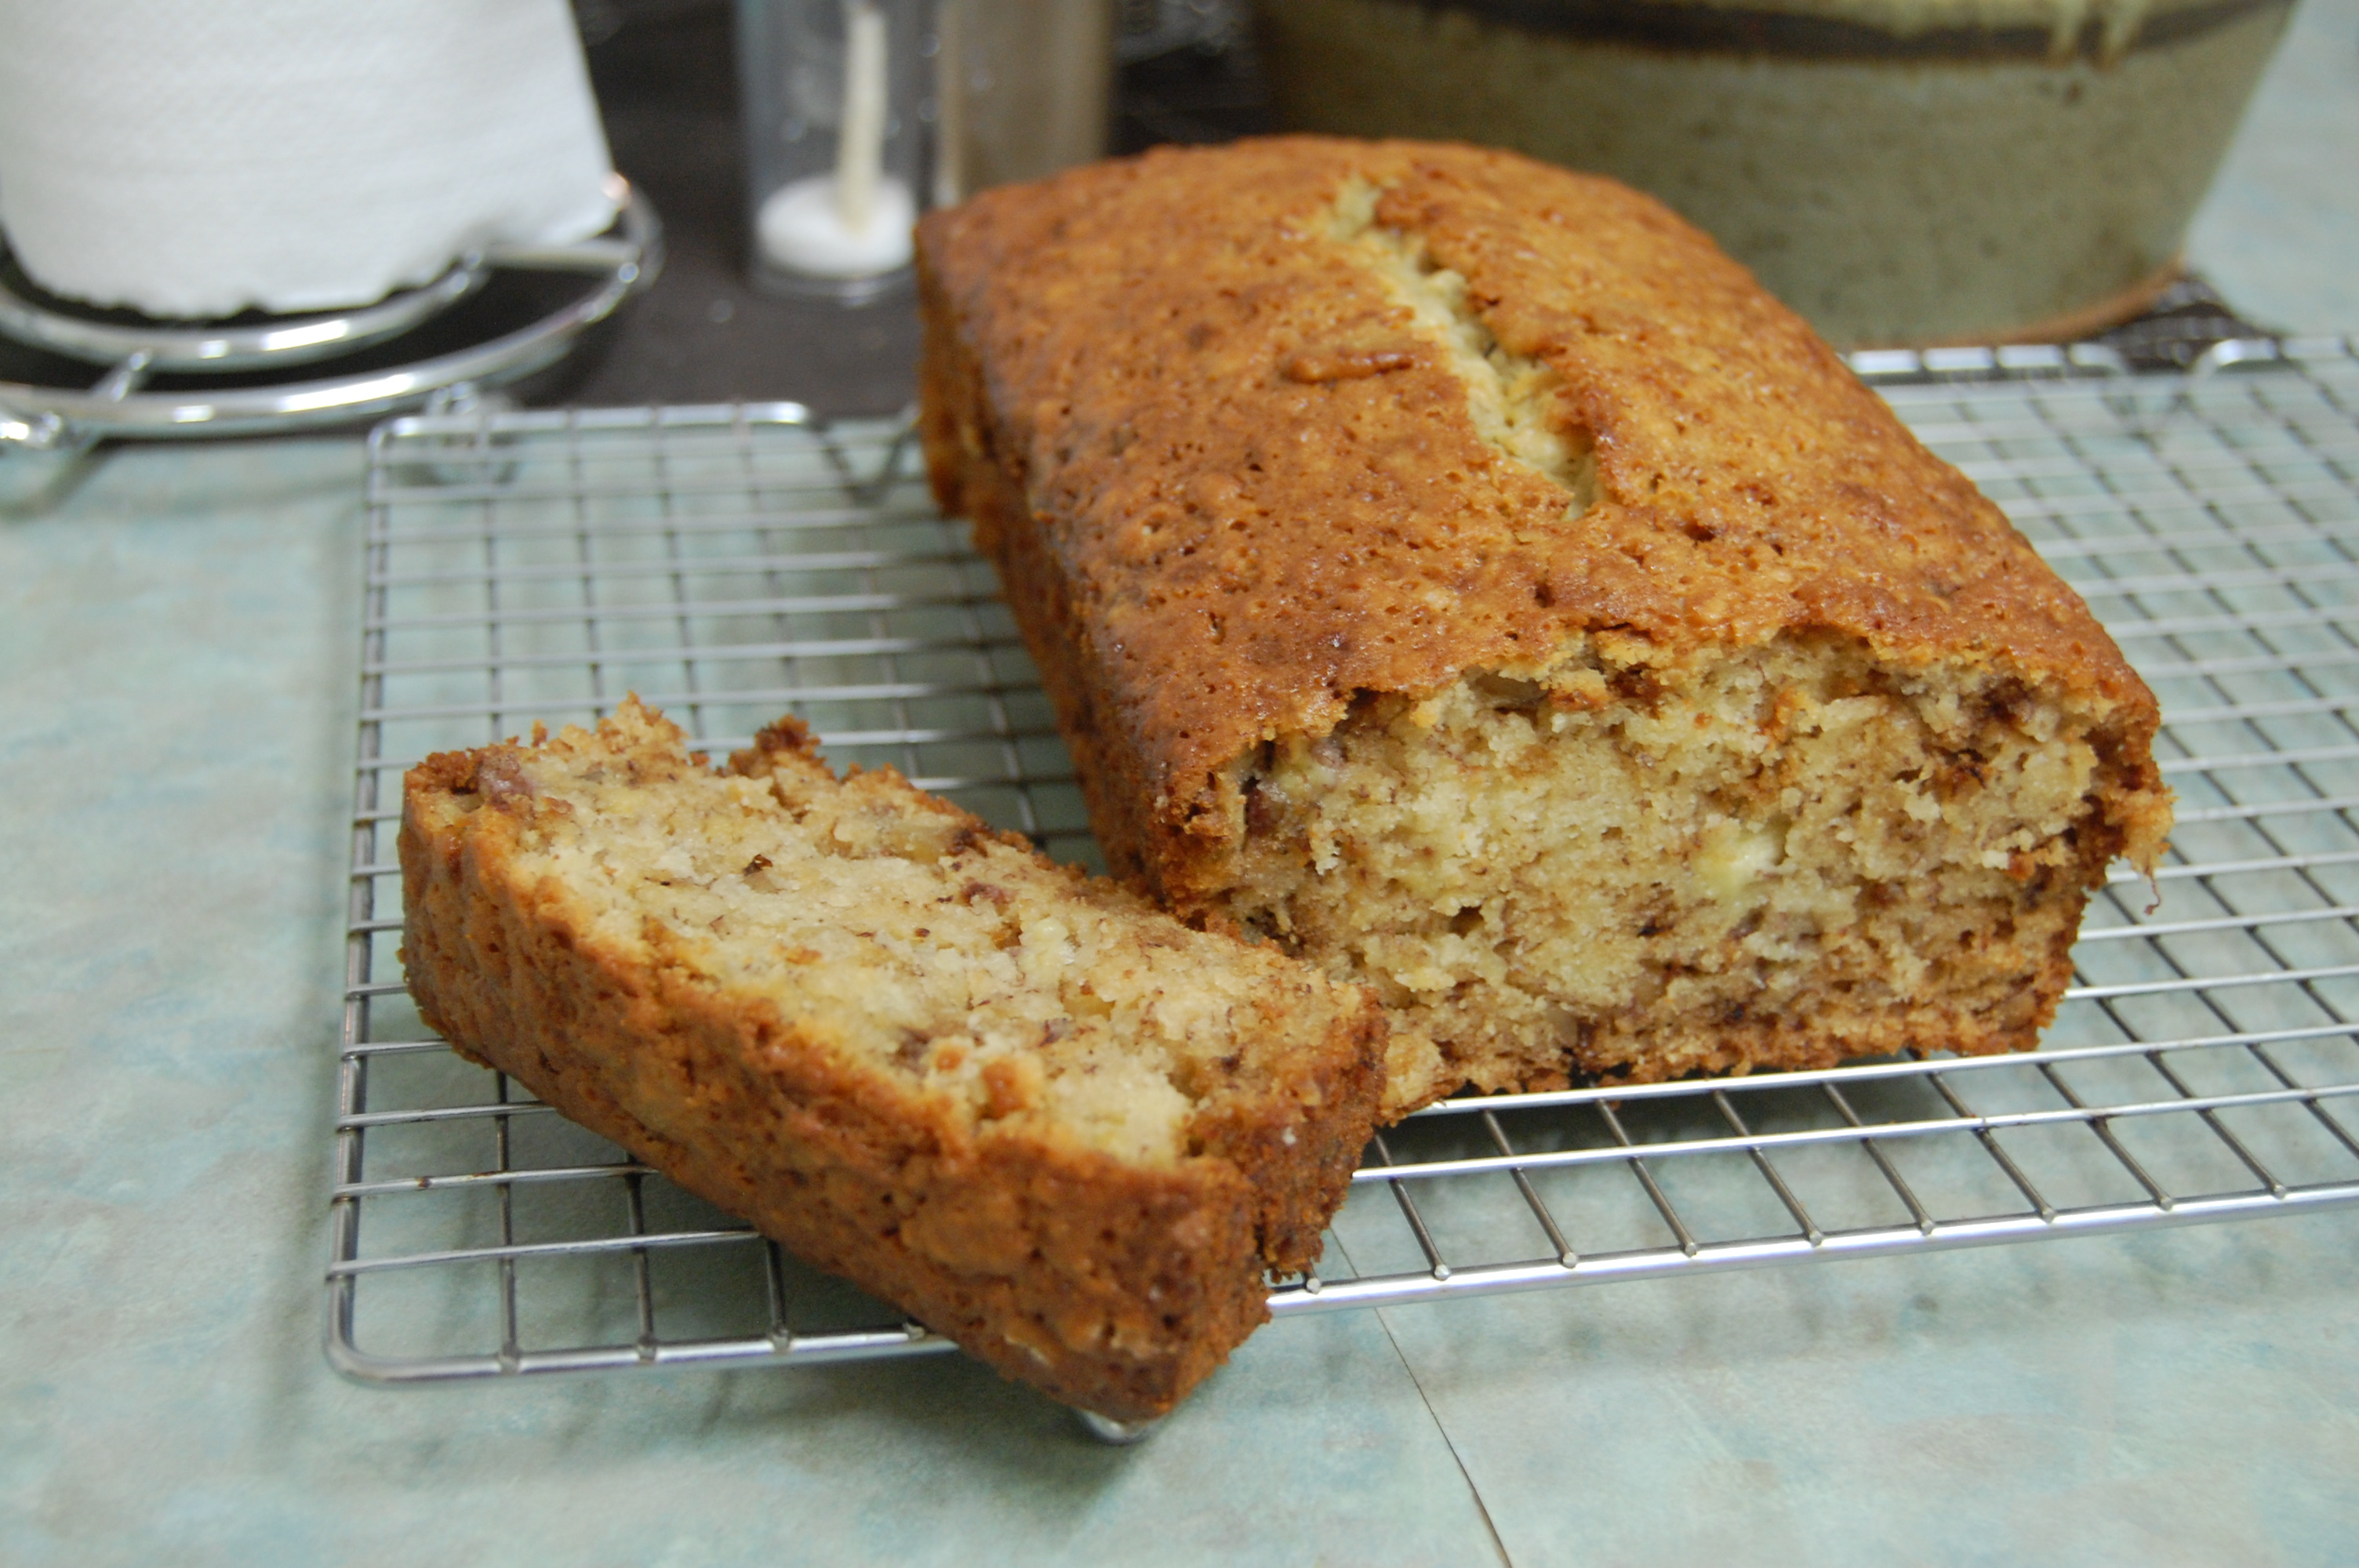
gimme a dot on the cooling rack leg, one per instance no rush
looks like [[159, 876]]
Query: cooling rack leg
[[1118, 1434]]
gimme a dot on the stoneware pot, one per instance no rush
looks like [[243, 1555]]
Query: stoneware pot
[[1900, 171]]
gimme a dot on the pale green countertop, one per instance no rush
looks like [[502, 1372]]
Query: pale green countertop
[[2280, 232], [177, 633]]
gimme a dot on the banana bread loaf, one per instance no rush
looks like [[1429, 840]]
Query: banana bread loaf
[[1456, 569], [1037, 1115]]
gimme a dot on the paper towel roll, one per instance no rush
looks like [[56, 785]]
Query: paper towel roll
[[199, 157]]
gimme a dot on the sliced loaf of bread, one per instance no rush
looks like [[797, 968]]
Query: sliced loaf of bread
[[1019, 1103], [1457, 570]]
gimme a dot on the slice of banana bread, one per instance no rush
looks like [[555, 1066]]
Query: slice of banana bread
[[1034, 1113], [1459, 570]]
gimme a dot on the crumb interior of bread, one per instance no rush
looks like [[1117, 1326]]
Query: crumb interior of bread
[[882, 923], [1603, 864], [1511, 396]]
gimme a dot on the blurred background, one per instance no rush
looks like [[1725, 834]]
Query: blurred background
[[1900, 170], [2159, 174]]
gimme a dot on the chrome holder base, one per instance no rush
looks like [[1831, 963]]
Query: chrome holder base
[[615, 266]]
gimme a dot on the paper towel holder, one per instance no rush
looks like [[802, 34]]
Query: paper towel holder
[[622, 262]]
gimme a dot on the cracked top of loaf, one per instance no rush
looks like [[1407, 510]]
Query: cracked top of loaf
[[1305, 418]]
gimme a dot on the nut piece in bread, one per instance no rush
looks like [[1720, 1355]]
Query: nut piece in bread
[[1457, 569], [1021, 1105]]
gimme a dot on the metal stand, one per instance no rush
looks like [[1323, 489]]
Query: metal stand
[[735, 561], [60, 419]]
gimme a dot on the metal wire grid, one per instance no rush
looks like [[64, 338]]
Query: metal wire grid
[[730, 563]]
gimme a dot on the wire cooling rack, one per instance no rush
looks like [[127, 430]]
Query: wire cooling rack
[[732, 563]]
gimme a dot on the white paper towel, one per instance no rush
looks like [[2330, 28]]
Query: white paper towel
[[198, 157]]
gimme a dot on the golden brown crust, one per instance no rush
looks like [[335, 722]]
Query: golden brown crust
[[1231, 491], [973, 483], [1113, 1286]]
